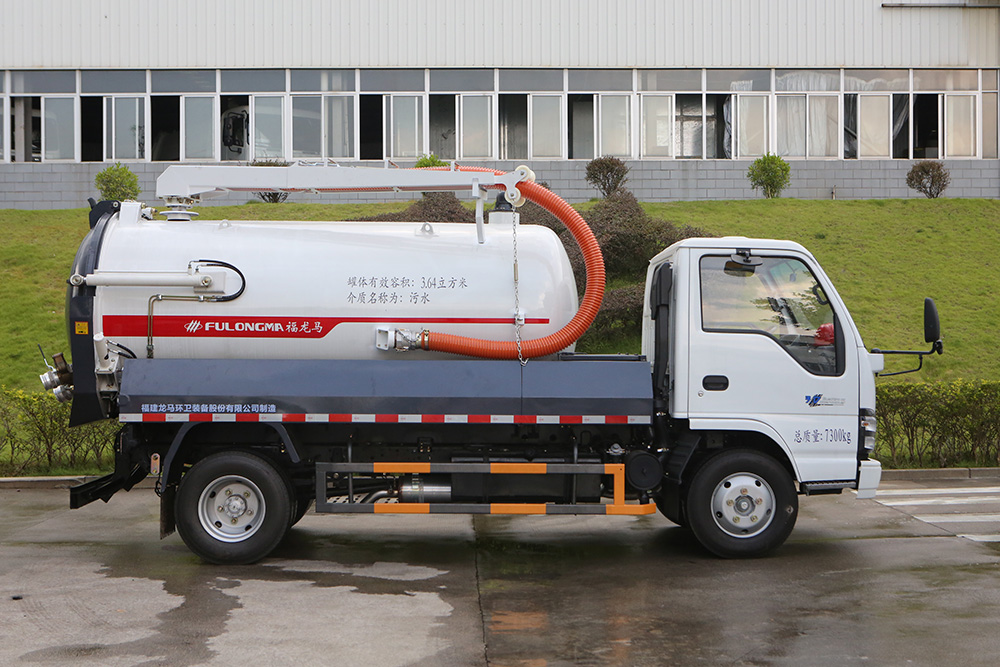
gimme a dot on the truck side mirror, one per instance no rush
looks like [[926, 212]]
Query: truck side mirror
[[932, 325]]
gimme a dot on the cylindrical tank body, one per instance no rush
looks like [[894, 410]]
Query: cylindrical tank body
[[320, 290]]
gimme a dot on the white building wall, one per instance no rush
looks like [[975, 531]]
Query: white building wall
[[82, 34]]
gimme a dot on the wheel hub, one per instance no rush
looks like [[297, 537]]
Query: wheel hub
[[231, 508], [743, 505]]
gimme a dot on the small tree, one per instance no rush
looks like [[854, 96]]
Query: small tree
[[430, 160], [117, 183], [270, 197], [929, 177], [770, 174], [607, 174]]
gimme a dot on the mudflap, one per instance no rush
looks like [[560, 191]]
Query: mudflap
[[167, 522]]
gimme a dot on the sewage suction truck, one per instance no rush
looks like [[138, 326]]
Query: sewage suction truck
[[259, 369]]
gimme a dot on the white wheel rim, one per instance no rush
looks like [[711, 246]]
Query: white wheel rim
[[743, 505], [231, 509]]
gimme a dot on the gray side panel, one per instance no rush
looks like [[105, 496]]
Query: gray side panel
[[329, 386], [587, 388]]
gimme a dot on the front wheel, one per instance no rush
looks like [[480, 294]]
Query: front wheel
[[233, 508], [742, 504]]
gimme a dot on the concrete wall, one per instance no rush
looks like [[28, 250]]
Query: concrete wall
[[55, 186]]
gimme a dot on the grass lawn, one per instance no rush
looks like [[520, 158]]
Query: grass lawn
[[884, 256]]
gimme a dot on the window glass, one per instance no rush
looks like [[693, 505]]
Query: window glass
[[738, 79], [323, 80], [945, 79], [791, 118], [580, 126], [546, 126], [268, 127], [873, 129], [113, 81], [669, 80], [657, 125], [779, 298], [339, 126], [752, 125], [989, 125], [43, 81], [390, 80], [824, 122], [199, 120], [862, 80], [615, 125], [806, 79], [129, 128], [183, 81], [989, 79], [600, 79], [476, 125], [688, 126], [252, 80], [442, 121], [459, 80], [531, 79], [57, 131], [960, 125], [307, 126], [406, 126]]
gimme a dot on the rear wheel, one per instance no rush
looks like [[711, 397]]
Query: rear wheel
[[233, 508], [742, 504]]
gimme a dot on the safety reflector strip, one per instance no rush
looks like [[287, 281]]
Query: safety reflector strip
[[343, 418]]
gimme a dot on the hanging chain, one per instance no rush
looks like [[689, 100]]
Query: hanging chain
[[518, 320]]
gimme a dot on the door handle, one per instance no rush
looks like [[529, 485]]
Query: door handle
[[715, 383]]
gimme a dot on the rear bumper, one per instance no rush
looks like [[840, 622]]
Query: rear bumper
[[869, 475]]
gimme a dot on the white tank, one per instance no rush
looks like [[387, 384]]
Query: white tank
[[320, 290]]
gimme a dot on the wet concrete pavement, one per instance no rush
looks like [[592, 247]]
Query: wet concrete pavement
[[858, 582]]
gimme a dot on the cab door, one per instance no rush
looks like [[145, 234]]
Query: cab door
[[769, 353]]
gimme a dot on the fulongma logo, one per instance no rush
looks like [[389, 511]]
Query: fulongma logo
[[813, 401], [193, 326], [820, 400]]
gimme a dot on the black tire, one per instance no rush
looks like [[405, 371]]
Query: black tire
[[233, 508], [302, 505], [741, 504]]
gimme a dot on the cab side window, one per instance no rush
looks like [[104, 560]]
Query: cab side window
[[779, 298]]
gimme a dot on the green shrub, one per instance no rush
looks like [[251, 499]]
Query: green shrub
[[117, 183], [938, 424], [270, 197], [430, 160], [770, 174], [928, 177], [607, 174], [35, 438]]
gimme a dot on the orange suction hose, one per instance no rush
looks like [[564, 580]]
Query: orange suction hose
[[592, 296]]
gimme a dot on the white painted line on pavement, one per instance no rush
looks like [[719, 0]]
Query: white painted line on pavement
[[936, 491], [982, 538], [939, 501], [958, 518]]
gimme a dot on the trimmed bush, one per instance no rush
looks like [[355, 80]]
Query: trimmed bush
[[117, 183], [607, 174], [270, 197], [770, 174], [430, 160], [928, 177]]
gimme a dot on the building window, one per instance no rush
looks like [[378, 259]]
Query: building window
[[616, 125], [477, 126], [307, 126], [252, 80], [689, 126], [443, 126], [531, 80], [405, 126], [581, 126], [512, 123], [546, 126], [873, 125], [322, 80], [990, 125], [752, 127], [657, 125], [268, 127], [125, 119], [807, 125], [960, 126], [339, 125], [58, 129]]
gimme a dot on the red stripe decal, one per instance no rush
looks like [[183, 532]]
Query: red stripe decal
[[616, 419], [293, 418], [525, 419], [432, 419], [479, 419], [200, 417], [156, 417], [292, 326], [340, 418], [243, 417], [386, 419], [571, 419]]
